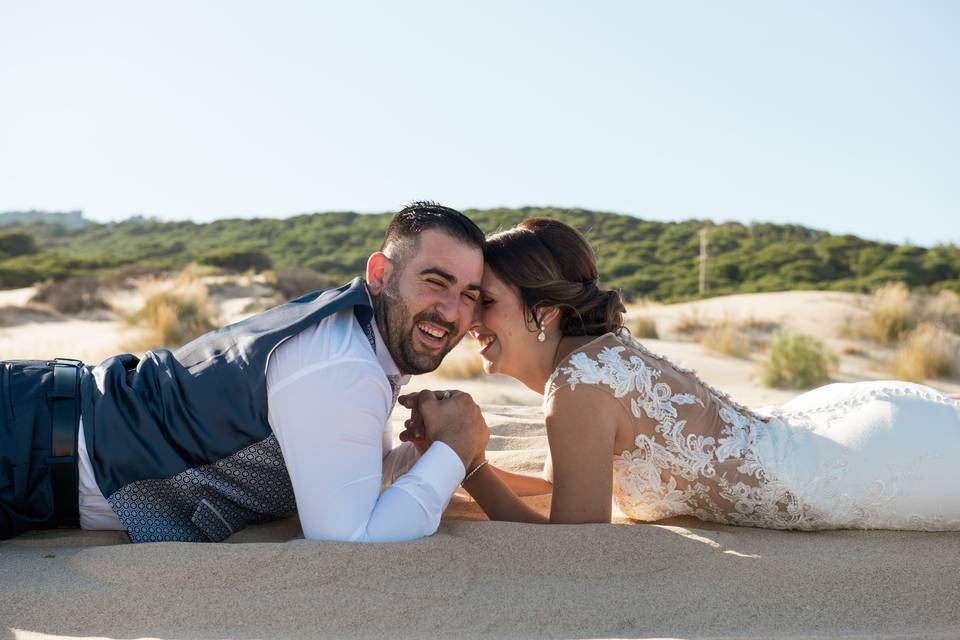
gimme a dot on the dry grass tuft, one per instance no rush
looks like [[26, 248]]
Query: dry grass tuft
[[727, 338], [130, 277], [759, 326], [462, 363], [644, 327], [853, 350], [856, 328], [690, 325], [930, 351], [173, 318], [895, 312], [944, 309], [194, 272], [797, 361]]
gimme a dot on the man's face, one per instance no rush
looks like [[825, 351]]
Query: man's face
[[428, 302]]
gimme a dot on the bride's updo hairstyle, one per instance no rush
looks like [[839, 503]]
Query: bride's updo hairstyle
[[552, 265]]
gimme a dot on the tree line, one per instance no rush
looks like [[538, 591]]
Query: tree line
[[643, 258]]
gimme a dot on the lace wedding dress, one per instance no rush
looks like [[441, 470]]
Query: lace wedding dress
[[871, 455]]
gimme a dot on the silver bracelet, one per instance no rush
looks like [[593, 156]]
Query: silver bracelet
[[475, 469]]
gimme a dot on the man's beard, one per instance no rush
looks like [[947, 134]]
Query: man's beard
[[397, 328]]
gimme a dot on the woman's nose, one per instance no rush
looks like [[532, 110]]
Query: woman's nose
[[476, 321]]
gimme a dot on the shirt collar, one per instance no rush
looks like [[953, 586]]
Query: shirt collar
[[383, 354]]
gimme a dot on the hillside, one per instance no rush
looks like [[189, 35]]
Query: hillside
[[645, 259], [71, 219]]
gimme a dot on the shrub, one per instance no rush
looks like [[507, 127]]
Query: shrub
[[930, 351], [15, 243], [18, 276], [173, 319], [797, 361], [894, 312], [644, 327], [726, 338], [126, 277], [238, 260], [294, 282], [73, 295]]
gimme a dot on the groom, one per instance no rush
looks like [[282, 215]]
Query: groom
[[284, 411]]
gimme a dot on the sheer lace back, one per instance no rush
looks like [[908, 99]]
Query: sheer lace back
[[695, 448]]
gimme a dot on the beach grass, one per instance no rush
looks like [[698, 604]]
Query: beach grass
[[797, 361], [929, 351], [173, 318], [644, 327], [727, 338], [462, 363]]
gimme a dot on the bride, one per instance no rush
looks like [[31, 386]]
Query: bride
[[624, 422]]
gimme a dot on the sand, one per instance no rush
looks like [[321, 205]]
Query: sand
[[487, 579], [680, 578]]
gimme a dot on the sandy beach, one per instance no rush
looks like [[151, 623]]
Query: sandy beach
[[680, 578]]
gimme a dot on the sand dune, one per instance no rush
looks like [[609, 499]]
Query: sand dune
[[680, 578], [474, 578]]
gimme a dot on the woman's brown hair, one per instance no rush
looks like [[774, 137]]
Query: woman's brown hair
[[552, 265]]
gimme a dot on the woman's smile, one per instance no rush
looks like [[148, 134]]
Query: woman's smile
[[485, 340]]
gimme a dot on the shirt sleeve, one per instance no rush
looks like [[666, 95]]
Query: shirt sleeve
[[329, 421], [398, 461]]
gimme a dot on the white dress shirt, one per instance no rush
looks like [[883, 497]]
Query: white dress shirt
[[328, 403]]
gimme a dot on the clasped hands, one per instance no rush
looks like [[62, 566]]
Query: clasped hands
[[451, 417]]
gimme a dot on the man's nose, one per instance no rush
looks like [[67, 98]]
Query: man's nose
[[448, 307]]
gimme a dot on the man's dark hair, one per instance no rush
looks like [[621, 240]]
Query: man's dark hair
[[407, 224]]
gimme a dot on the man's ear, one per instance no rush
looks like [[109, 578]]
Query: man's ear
[[379, 269]]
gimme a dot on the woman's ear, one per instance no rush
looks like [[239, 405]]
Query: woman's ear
[[379, 269], [549, 315]]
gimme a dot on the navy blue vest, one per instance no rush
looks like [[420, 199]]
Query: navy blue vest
[[179, 441]]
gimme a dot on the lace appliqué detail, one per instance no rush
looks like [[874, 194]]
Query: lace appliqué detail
[[672, 472]]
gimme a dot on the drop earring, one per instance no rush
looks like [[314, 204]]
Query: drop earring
[[542, 336]]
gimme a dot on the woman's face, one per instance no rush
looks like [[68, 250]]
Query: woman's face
[[507, 341]]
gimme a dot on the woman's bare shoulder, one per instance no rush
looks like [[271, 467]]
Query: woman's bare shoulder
[[588, 364]]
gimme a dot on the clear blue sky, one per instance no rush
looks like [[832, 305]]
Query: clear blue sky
[[843, 115]]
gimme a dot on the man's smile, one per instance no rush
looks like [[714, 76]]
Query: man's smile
[[432, 335]]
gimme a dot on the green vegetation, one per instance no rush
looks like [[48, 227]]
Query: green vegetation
[[797, 361], [16, 244], [644, 259]]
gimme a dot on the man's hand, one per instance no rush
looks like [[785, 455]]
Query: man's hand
[[451, 417]]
